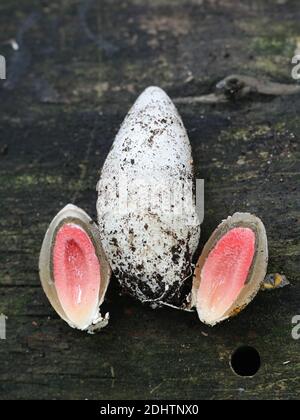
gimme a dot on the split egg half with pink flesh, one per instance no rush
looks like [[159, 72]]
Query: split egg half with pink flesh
[[150, 249], [74, 270], [231, 268]]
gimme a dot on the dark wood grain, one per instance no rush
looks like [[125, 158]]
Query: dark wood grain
[[79, 68]]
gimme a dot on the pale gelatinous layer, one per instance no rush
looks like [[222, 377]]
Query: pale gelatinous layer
[[76, 271], [225, 272]]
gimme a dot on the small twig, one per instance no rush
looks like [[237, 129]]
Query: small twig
[[204, 99], [247, 84], [236, 87], [156, 388]]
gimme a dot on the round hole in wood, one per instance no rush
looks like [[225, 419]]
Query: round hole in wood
[[245, 361]]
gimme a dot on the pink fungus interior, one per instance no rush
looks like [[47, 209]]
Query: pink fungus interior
[[225, 272], [76, 271]]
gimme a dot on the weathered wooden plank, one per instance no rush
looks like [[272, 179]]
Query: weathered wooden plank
[[69, 87], [142, 349]]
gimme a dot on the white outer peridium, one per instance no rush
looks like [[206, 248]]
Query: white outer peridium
[[154, 138], [68, 213], [255, 277]]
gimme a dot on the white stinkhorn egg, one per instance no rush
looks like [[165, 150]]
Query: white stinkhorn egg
[[74, 271], [231, 269], [146, 206]]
